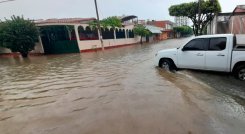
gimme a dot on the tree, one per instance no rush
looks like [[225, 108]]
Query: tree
[[208, 10], [18, 35], [141, 31], [112, 22], [183, 30]]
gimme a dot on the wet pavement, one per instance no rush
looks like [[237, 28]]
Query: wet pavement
[[116, 92]]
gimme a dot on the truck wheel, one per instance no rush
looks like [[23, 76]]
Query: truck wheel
[[240, 72], [166, 64]]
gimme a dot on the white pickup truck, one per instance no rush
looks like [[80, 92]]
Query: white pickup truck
[[222, 52]]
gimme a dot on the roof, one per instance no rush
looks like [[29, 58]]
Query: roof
[[224, 14], [241, 6], [239, 9], [153, 29], [65, 20], [161, 24], [126, 18]]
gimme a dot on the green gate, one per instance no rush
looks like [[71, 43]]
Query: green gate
[[59, 39]]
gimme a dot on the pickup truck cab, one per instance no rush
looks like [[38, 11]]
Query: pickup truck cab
[[222, 52]]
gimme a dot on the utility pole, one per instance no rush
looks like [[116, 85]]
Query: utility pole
[[199, 16], [98, 25]]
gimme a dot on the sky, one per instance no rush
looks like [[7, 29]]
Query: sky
[[144, 9]]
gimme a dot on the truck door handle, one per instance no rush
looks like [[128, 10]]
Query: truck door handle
[[199, 54], [220, 55]]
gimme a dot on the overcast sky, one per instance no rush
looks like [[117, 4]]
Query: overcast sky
[[144, 9]]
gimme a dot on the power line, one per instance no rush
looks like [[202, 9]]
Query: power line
[[6, 1]]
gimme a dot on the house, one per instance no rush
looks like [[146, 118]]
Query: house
[[74, 35], [233, 22], [129, 20], [167, 28], [155, 31]]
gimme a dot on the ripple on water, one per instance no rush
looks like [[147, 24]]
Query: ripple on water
[[5, 118], [81, 80]]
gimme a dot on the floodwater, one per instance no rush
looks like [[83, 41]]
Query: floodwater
[[118, 91]]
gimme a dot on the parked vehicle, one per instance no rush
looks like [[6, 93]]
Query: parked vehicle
[[223, 52]]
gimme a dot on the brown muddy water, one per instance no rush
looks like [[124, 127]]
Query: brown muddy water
[[118, 91]]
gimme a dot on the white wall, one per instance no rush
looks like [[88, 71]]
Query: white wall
[[93, 44], [88, 44]]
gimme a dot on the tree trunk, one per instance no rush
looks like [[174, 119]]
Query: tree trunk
[[195, 29], [202, 29], [24, 54], [141, 40]]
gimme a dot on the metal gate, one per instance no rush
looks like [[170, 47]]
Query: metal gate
[[59, 39]]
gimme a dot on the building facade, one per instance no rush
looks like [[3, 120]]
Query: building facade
[[74, 35], [166, 26], [181, 21], [155, 33], [224, 23]]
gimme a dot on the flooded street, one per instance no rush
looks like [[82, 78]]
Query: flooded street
[[118, 91]]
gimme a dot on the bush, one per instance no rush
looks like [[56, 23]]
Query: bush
[[141, 31], [18, 35], [183, 30]]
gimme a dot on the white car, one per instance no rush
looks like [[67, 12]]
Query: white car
[[222, 52]]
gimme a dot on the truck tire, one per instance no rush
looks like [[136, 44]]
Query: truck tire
[[240, 72], [166, 64]]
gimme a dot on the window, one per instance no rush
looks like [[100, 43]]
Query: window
[[108, 34], [120, 33], [73, 34], [197, 45], [87, 33], [217, 44], [131, 34]]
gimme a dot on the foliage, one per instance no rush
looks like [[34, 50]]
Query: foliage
[[18, 34], [141, 31], [1, 27], [112, 22], [208, 10], [183, 30]]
